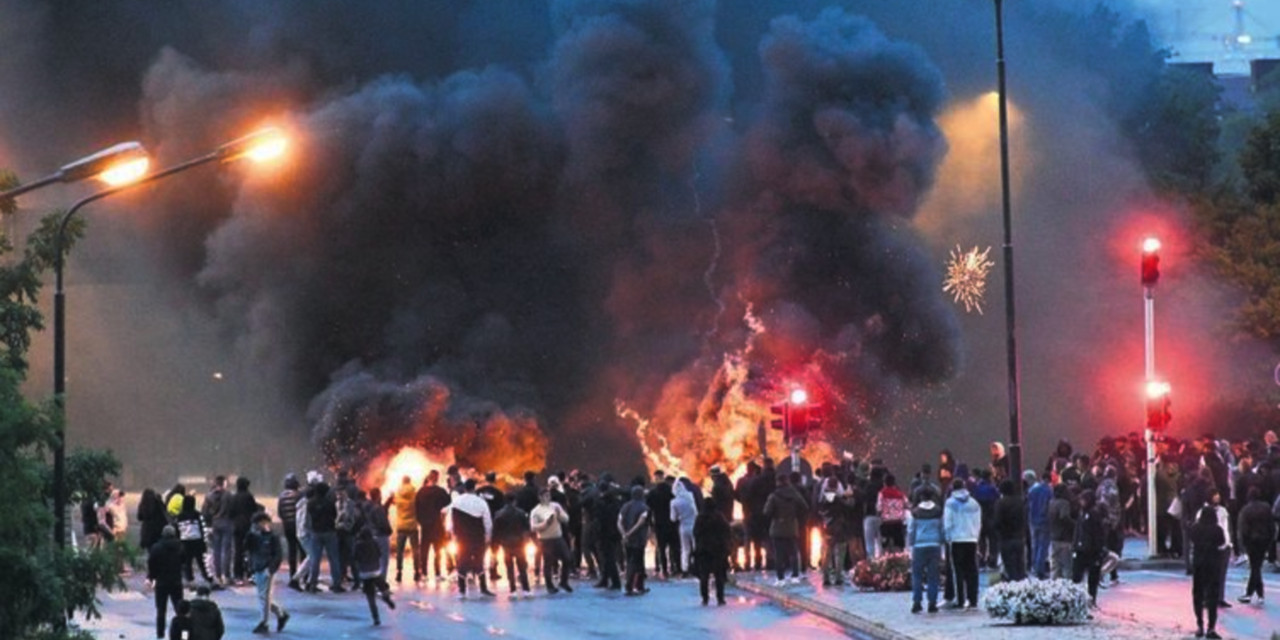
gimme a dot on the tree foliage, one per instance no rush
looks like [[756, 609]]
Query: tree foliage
[[42, 583]]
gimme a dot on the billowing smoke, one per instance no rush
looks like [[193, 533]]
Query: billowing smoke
[[512, 229]]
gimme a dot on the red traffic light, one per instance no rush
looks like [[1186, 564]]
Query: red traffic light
[[1150, 262], [1158, 403]]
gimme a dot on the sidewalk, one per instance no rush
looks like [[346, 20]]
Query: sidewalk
[[1152, 602]]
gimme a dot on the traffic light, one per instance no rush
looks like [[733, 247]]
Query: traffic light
[[1158, 415], [1150, 262], [799, 421], [779, 423], [815, 417]]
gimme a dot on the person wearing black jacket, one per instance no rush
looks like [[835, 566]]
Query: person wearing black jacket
[[151, 515], [371, 572], [428, 508], [191, 535], [510, 533], [667, 548], [243, 507], [287, 508], [1062, 527], [758, 526], [1089, 545], [1207, 544], [527, 495], [493, 497], [742, 492], [1256, 530], [1010, 523], [322, 511], [263, 555], [164, 570], [608, 505], [713, 542]]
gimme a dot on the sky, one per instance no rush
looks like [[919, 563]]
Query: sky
[[1195, 29]]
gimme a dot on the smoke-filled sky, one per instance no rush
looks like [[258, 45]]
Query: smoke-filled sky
[[501, 220]]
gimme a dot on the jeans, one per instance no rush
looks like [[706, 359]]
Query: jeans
[[924, 567], [833, 552], [964, 559], [263, 581], [871, 536], [403, 539], [784, 556], [1040, 550], [1060, 560], [384, 552], [327, 543], [686, 549], [223, 542]]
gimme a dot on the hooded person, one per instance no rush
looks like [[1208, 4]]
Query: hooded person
[[510, 533], [684, 512], [287, 508], [633, 526], [836, 516], [925, 537], [962, 524], [472, 530], [204, 617], [713, 540], [164, 571], [786, 511], [406, 528], [191, 534]]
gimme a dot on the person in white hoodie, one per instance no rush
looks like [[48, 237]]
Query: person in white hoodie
[[684, 511], [961, 524]]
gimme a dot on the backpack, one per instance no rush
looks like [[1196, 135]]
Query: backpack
[[346, 518], [893, 509]]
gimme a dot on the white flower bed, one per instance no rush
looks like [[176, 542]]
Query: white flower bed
[[1035, 601]]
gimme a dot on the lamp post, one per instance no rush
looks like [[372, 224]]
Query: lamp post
[[110, 164], [1150, 276], [260, 146], [1015, 419]]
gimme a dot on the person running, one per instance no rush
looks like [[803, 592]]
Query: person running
[[713, 543], [1256, 530], [380, 525], [962, 526], [191, 535], [371, 571], [428, 507], [406, 527], [633, 524], [925, 536], [472, 530], [548, 521], [1208, 543], [164, 572], [263, 556]]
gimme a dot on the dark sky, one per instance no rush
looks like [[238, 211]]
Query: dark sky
[[503, 219]]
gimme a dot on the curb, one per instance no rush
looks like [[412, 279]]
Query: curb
[[822, 610]]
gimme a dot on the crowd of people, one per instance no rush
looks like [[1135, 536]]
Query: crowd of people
[[1067, 519]]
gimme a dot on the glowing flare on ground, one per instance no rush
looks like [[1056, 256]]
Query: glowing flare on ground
[[966, 277], [126, 172], [815, 546], [452, 548], [530, 552]]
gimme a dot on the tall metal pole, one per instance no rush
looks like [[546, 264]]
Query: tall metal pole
[[1015, 419], [60, 341], [1149, 335]]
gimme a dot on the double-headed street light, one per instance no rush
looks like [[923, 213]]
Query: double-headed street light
[[261, 146]]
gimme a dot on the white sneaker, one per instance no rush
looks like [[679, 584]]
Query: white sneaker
[[797, 580], [779, 583]]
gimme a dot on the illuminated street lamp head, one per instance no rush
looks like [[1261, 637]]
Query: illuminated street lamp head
[[798, 396], [260, 146], [1150, 245], [114, 163], [1157, 389]]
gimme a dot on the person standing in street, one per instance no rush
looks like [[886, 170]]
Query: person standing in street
[[1208, 544], [243, 508], [1011, 529], [962, 526], [263, 555], [1089, 543], [548, 521], [287, 508], [1256, 530], [1062, 527], [924, 538], [1038, 498], [406, 527], [713, 543], [217, 512], [633, 524], [510, 532], [429, 506], [472, 530], [665, 531], [322, 514], [684, 510], [164, 571], [785, 510]]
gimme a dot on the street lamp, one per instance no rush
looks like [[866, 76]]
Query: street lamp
[[113, 165], [1011, 340], [261, 146], [1150, 271]]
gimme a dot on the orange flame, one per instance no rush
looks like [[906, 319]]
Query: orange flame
[[815, 546]]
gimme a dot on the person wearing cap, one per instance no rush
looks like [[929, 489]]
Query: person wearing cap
[[164, 572], [263, 556], [1039, 495]]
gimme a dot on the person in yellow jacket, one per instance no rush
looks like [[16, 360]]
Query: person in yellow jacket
[[406, 527]]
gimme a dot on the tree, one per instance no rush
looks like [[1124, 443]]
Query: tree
[[42, 583], [1260, 161]]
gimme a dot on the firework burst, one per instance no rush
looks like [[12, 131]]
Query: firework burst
[[967, 277]]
